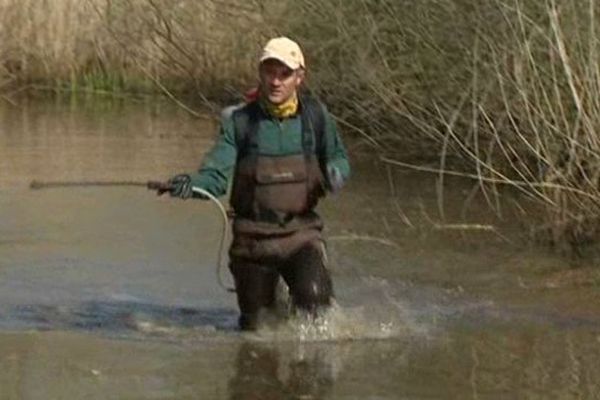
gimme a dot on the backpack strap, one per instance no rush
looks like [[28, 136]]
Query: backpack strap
[[313, 128], [245, 122]]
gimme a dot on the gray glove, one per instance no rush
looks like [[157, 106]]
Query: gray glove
[[334, 179], [181, 186]]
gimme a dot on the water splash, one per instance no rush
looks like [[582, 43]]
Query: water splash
[[336, 323]]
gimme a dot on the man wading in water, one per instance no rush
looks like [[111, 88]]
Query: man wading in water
[[284, 152]]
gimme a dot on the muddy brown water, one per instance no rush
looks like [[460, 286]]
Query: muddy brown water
[[110, 292]]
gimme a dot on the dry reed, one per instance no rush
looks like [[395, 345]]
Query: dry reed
[[185, 45], [505, 90]]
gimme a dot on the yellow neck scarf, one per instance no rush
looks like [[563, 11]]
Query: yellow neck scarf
[[283, 110]]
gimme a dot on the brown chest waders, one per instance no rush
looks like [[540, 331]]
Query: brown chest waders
[[276, 232]]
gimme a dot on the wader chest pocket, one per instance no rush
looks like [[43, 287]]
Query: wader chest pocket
[[275, 170], [281, 185]]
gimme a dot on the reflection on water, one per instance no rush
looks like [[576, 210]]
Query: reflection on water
[[107, 140], [111, 292], [264, 372], [536, 364]]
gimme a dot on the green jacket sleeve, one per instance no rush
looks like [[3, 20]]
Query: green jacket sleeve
[[218, 164], [335, 150]]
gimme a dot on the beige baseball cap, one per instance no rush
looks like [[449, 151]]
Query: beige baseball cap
[[285, 50]]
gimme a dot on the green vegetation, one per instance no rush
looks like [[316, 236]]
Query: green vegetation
[[503, 91]]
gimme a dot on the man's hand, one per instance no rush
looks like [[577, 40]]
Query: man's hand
[[334, 179], [181, 186]]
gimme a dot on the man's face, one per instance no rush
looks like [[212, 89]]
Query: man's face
[[278, 81]]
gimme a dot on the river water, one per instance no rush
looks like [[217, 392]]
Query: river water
[[111, 292]]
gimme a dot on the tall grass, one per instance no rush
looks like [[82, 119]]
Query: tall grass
[[138, 45], [503, 91]]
